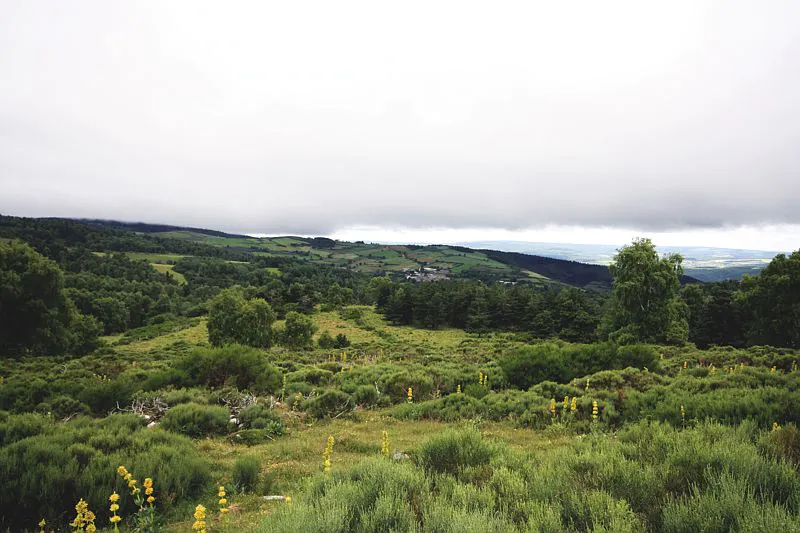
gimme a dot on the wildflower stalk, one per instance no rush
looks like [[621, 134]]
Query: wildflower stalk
[[326, 455], [199, 519], [114, 507], [84, 518], [385, 443], [223, 501]]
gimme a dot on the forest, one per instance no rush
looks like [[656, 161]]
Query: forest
[[155, 378]]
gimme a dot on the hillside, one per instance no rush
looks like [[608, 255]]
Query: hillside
[[373, 258], [706, 264]]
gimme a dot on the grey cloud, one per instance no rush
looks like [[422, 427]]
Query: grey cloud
[[286, 119]]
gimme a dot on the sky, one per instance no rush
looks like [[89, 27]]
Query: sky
[[585, 122]]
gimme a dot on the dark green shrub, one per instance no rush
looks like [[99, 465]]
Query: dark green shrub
[[260, 416], [18, 427], [312, 375], [366, 395], [197, 420], [325, 340], [532, 364], [341, 341], [637, 356], [45, 474], [454, 451], [476, 391], [65, 406], [783, 443], [103, 397], [245, 473], [329, 403], [233, 365]]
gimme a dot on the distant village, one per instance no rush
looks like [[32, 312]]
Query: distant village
[[426, 274]]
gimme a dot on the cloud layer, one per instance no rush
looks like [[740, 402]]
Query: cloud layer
[[311, 117]]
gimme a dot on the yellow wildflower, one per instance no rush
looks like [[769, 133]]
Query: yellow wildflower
[[122, 471], [385, 444], [552, 407], [114, 519], [565, 403], [151, 499], [42, 524], [410, 395], [114, 498], [326, 455], [199, 519], [288, 500], [595, 410], [574, 405]]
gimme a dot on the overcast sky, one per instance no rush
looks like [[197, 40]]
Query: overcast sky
[[437, 121]]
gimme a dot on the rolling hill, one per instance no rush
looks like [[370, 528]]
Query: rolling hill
[[372, 258]]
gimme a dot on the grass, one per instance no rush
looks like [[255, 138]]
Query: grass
[[291, 461], [168, 269], [366, 258], [155, 258]]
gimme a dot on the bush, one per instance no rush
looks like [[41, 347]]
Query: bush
[[197, 420], [329, 403], [245, 473], [239, 366], [341, 341], [18, 427], [551, 362], [532, 364], [261, 417], [455, 451], [325, 340], [46, 473]]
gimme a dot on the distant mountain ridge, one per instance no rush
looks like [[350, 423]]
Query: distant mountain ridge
[[704, 263], [459, 261], [415, 262]]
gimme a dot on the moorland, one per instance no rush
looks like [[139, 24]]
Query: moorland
[[306, 384]]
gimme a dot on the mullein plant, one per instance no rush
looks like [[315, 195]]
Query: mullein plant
[[410, 395]]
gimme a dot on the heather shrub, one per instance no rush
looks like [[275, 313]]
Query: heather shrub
[[46, 473], [246, 471], [197, 420]]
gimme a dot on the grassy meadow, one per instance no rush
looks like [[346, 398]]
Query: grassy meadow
[[698, 439]]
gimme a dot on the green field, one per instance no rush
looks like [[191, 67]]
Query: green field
[[366, 258]]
